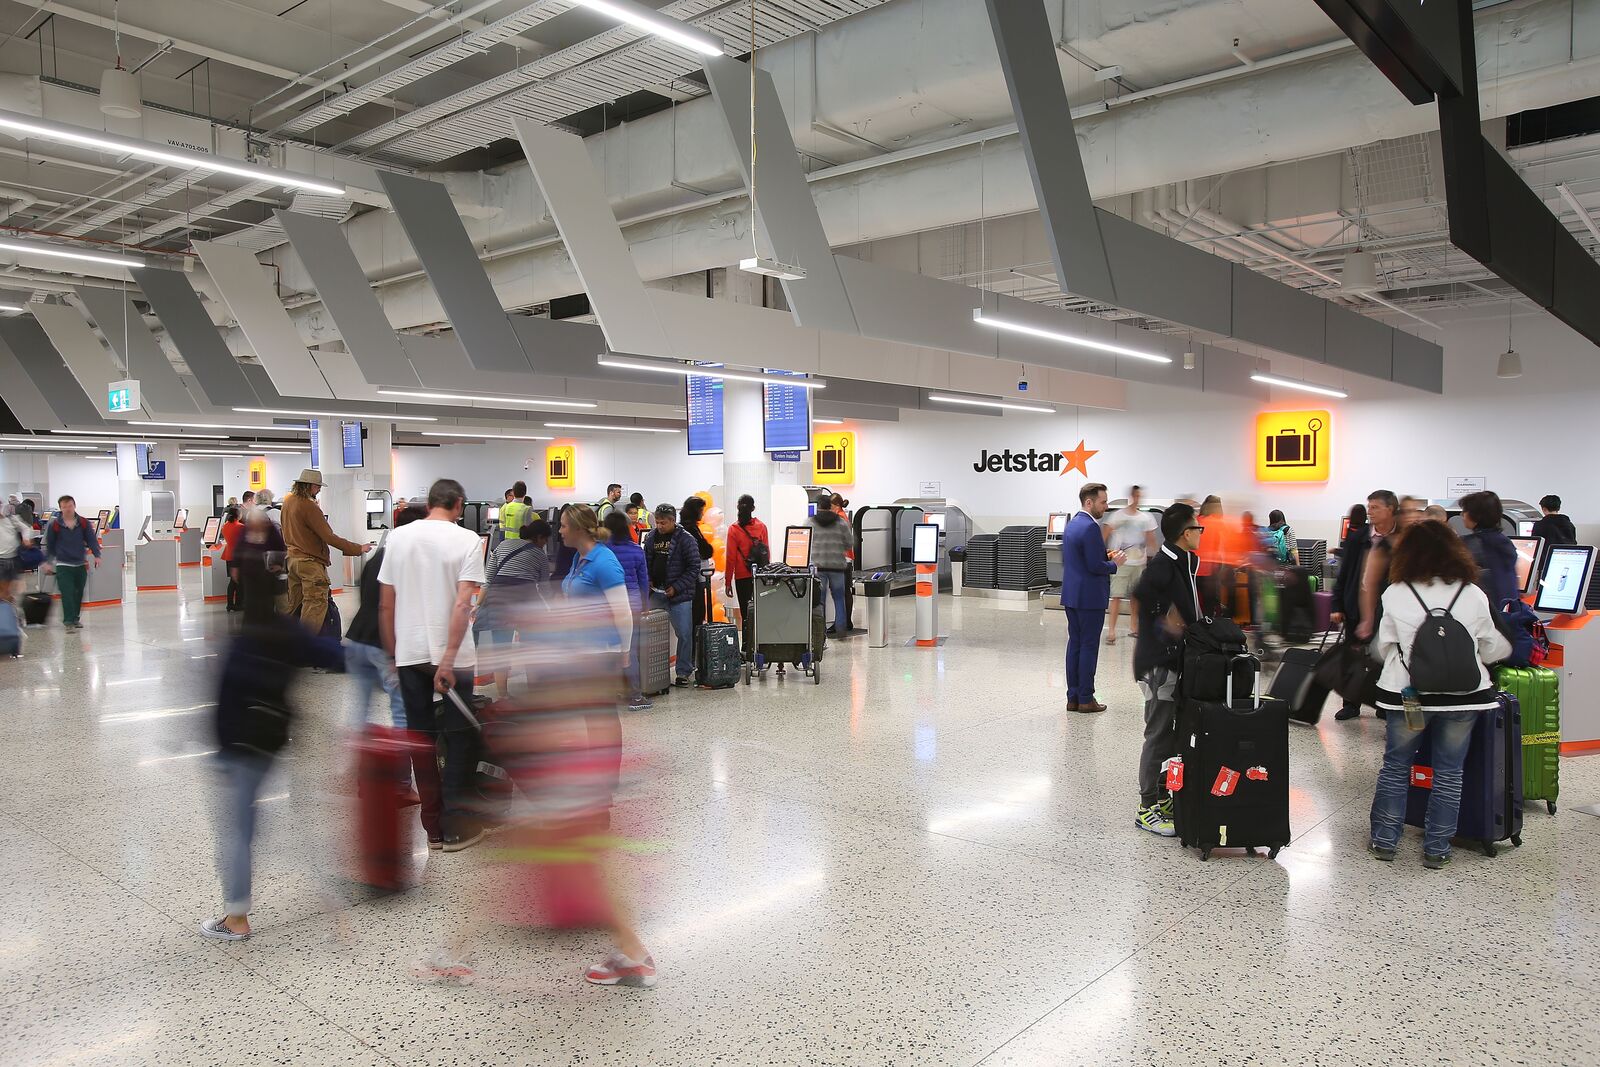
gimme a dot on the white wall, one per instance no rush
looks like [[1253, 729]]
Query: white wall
[[91, 482]]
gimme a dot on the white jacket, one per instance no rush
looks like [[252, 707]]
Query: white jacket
[[14, 534], [1402, 615]]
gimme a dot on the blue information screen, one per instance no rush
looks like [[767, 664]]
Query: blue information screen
[[316, 458], [705, 414], [785, 415], [351, 437]]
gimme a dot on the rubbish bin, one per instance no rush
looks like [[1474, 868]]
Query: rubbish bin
[[958, 566], [875, 590]]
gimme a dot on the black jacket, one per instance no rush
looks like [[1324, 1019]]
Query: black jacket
[[1168, 582], [364, 627], [1347, 582], [1496, 557], [260, 665], [1556, 529]]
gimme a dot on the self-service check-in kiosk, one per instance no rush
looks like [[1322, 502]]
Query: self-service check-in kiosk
[[103, 585], [1561, 596], [191, 546], [213, 569], [155, 555], [1055, 531]]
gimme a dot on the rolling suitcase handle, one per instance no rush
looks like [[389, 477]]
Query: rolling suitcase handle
[[1255, 696], [461, 706]]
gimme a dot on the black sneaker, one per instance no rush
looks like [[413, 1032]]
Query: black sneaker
[[1380, 853], [1435, 863], [683, 681], [1348, 712], [459, 842]]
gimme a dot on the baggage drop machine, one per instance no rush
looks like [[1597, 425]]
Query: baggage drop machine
[[883, 543], [1055, 530], [955, 528]]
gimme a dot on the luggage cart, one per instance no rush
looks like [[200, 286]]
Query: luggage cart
[[786, 626]]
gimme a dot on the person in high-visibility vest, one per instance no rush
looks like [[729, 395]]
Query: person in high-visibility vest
[[513, 513], [604, 507]]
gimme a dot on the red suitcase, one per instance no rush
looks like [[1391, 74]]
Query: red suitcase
[[383, 854]]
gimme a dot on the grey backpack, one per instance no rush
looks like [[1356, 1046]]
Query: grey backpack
[[1444, 657]]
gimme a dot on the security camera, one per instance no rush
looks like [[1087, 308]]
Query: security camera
[[1022, 385]]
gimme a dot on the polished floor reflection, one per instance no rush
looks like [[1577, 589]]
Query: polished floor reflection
[[923, 860]]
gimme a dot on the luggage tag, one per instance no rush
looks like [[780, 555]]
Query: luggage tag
[[1256, 774], [1227, 781], [1422, 777], [1173, 767]]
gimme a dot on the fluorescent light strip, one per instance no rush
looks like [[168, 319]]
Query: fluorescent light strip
[[12, 307], [1304, 387], [8, 244], [377, 416], [49, 448], [689, 371], [1065, 338], [668, 29], [532, 401], [246, 453], [223, 426], [30, 126], [976, 403], [619, 429], [137, 435], [488, 436], [827, 422]]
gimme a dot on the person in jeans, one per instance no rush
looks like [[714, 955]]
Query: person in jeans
[[1430, 569], [832, 545], [309, 537], [636, 576], [68, 543], [673, 560], [370, 667], [739, 579], [231, 529], [1168, 599], [689, 516], [1132, 530], [15, 535], [261, 664], [431, 572]]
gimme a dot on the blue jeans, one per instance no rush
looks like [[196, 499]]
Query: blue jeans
[[1083, 652], [371, 669], [837, 582], [682, 618], [242, 775], [1451, 735]]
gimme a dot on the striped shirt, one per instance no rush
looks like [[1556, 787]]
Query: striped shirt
[[518, 561]]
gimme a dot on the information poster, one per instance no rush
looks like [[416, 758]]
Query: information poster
[[785, 415], [316, 453], [350, 437], [704, 396]]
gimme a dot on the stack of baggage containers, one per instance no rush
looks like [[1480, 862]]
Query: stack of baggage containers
[[982, 570], [1314, 558], [1019, 563]]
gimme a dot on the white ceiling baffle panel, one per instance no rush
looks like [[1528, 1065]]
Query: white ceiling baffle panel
[[244, 287], [88, 360], [578, 204], [124, 330]]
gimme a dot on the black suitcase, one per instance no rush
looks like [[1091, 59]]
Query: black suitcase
[[1235, 790], [716, 650], [1214, 658], [1491, 779], [1296, 614], [1295, 684], [36, 608]]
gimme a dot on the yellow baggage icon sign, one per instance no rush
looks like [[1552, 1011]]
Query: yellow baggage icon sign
[[1293, 446]]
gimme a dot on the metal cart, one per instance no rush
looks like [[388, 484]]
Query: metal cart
[[786, 628]]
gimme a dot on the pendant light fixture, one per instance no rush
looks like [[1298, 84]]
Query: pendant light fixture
[[119, 88], [1360, 274], [1510, 364], [770, 266]]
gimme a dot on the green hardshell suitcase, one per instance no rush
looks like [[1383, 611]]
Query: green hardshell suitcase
[[1538, 690]]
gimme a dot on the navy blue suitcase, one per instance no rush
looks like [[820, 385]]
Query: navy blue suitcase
[[1491, 781]]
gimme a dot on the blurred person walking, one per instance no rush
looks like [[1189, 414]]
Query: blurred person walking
[[1383, 510], [309, 538], [68, 544], [432, 570], [517, 570], [1280, 540], [1131, 530], [1432, 589], [636, 575], [370, 667], [252, 722], [15, 535], [1086, 570]]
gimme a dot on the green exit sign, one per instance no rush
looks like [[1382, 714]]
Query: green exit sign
[[122, 398]]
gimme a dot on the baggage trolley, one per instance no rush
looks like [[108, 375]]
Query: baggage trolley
[[787, 628]]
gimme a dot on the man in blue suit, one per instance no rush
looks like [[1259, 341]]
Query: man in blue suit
[[1086, 570]]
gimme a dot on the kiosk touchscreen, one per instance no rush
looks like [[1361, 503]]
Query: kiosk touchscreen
[[1344, 528], [1058, 524], [104, 520], [1525, 528], [182, 521], [925, 543], [1528, 549], [1564, 578], [94, 526], [212, 532], [797, 547], [494, 514]]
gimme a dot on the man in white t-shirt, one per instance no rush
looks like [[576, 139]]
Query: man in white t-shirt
[[431, 571], [1131, 530]]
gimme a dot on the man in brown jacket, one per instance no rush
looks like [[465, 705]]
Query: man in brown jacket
[[308, 537]]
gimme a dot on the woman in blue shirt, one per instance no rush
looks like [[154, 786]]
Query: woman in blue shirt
[[595, 571]]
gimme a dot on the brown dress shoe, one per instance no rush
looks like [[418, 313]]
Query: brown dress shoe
[[1072, 705], [1090, 706]]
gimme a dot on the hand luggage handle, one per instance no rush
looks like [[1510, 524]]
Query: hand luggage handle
[[461, 706], [1255, 696]]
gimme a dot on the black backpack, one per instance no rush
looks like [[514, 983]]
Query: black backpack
[[1444, 657], [757, 554], [1213, 650]]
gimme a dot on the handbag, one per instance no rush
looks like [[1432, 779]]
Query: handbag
[[1348, 670], [263, 726]]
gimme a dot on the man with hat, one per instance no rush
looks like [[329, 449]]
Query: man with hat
[[308, 537]]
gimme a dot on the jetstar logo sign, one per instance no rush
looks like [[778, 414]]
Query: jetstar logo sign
[[1009, 462]]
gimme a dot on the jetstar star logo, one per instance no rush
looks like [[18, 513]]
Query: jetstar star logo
[[1062, 461]]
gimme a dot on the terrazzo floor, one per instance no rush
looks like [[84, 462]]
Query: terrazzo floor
[[923, 860]]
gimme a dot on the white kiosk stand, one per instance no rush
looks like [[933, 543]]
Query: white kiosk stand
[[155, 556], [104, 584], [925, 555], [214, 571]]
